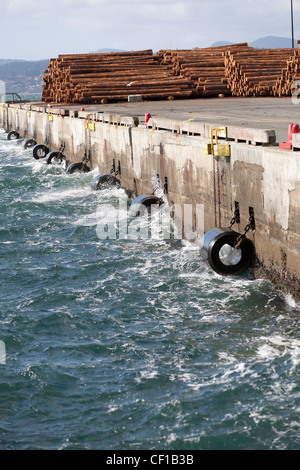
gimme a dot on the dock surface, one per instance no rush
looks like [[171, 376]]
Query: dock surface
[[265, 113]]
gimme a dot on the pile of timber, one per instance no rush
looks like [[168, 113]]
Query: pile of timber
[[233, 70], [261, 72], [206, 67], [107, 77], [294, 81], [291, 73]]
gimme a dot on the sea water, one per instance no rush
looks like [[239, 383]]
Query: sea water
[[130, 344]]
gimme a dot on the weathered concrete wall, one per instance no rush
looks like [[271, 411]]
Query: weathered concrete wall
[[257, 174]]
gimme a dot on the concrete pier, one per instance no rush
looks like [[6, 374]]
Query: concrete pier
[[257, 174]]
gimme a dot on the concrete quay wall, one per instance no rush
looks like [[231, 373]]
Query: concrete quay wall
[[256, 175]]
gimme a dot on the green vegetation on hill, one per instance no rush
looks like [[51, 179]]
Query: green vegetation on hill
[[23, 76]]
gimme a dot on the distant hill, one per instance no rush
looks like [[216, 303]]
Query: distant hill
[[273, 42], [269, 42], [221, 43], [23, 77], [26, 76], [7, 61]]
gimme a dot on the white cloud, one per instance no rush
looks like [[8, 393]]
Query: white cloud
[[139, 24], [106, 17], [21, 6], [165, 11]]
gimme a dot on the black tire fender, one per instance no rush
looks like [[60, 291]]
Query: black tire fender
[[214, 240], [40, 151], [146, 200], [55, 156], [29, 143], [13, 135], [105, 182], [77, 167]]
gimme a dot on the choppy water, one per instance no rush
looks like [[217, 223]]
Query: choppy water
[[131, 345]]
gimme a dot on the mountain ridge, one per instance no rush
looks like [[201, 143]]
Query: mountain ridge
[[268, 42]]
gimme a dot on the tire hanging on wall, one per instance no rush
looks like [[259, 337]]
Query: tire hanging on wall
[[40, 151], [13, 135], [223, 258], [147, 200], [77, 167], [29, 143], [105, 182], [55, 157]]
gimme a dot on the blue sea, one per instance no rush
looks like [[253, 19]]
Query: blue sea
[[131, 344]]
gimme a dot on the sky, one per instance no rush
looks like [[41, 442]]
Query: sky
[[38, 29]]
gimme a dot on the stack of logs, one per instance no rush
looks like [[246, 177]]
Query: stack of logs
[[285, 84], [260, 72], [98, 78], [234, 70], [206, 67]]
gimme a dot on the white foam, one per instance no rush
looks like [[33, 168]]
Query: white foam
[[267, 352], [88, 220], [282, 347], [53, 196], [149, 374], [228, 358], [112, 408], [291, 302]]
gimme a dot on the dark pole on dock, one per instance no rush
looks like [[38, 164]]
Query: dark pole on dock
[[292, 19]]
